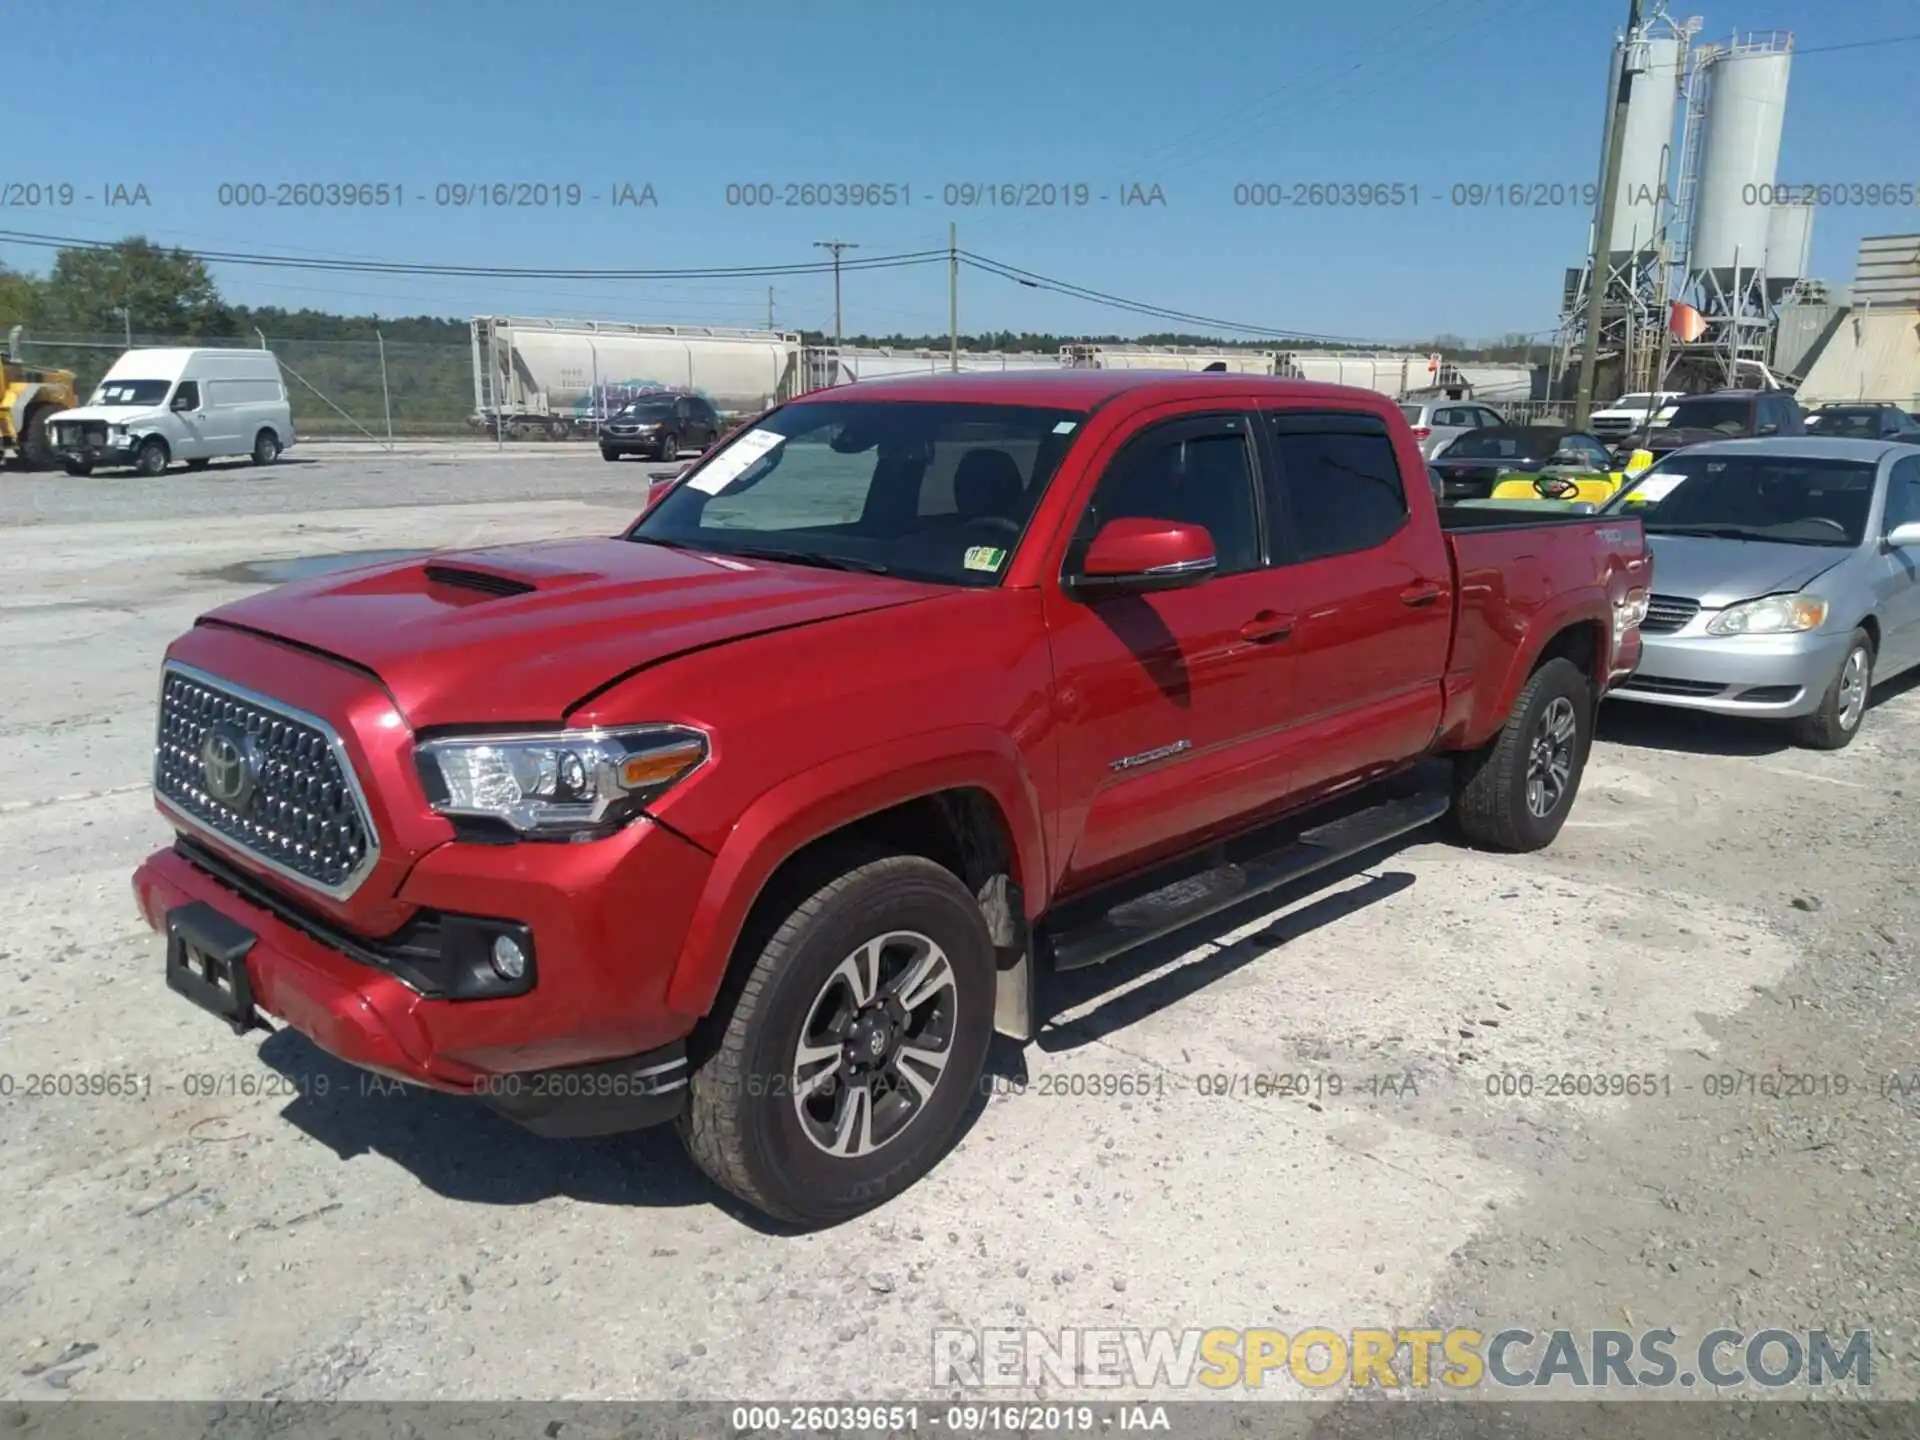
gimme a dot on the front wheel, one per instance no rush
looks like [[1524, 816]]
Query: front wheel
[[669, 447], [152, 457], [1844, 705], [852, 1048], [77, 468], [1514, 793], [609, 455]]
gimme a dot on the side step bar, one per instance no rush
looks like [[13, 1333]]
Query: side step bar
[[1162, 911]]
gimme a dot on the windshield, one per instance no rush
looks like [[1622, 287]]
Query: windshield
[[1503, 445], [1731, 416], [645, 410], [130, 392], [1783, 498], [1633, 402], [924, 490]]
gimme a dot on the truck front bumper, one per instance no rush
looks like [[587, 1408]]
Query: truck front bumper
[[1775, 677], [590, 1048], [98, 452]]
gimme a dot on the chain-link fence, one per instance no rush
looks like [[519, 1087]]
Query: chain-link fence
[[361, 389]]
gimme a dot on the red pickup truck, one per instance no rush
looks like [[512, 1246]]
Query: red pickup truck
[[762, 816]]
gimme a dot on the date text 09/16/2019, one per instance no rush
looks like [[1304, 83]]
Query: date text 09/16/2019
[[442, 195]]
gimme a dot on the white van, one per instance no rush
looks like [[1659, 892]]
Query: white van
[[158, 406]]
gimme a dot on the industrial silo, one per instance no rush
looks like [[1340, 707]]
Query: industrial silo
[[1647, 143], [1789, 245], [1739, 156]]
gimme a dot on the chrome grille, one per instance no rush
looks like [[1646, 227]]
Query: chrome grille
[[301, 812], [1668, 613]]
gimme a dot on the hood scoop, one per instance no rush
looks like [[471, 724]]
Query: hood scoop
[[487, 583]]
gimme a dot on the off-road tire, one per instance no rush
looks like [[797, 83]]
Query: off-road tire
[[740, 1126], [1824, 728], [36, 453], [1490, 784], [153, 457]]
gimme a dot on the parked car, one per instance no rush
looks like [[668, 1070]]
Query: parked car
[[1629, 413], [660, 426], [1864, 422], [1785, 579], [762, 816], [1437, 423], [1537, 457], [158, 406], [1721, 415]]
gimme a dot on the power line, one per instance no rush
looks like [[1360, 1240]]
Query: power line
[[492, 272], [1857, 45]]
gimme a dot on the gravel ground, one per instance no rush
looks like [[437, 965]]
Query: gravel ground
[[253, 1223]]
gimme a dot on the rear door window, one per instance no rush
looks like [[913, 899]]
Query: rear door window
[[1338, 488]]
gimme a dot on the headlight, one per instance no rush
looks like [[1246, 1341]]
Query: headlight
[[568, 784], [1628, 613], [1773, 615]]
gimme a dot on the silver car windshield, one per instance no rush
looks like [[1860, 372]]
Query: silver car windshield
[[1787, 499]]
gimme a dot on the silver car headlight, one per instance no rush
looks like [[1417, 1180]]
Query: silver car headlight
[[566, 784], [1770, 615]]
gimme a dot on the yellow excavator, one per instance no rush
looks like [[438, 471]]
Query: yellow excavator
[[29, 396]]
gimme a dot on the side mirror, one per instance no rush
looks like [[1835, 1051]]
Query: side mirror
[[1767, 429], [1904, 537], [1136, 556]]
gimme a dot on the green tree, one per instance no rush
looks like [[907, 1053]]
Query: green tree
[[167, 292], [22, 299]]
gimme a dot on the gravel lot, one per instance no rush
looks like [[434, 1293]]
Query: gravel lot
[[1718, 904]]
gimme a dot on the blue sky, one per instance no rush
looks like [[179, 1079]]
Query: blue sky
[[1110, 93]]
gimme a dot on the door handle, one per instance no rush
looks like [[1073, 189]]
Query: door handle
[[1267, 626], [1420, 594]]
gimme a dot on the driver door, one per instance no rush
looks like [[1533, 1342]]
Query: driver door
[[1170, 704], [189, 429]]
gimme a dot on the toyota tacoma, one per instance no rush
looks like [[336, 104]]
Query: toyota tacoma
[[764, 815]]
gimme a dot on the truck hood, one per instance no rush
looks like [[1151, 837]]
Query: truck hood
[[112, 414], [508, 634], [1718, 573]]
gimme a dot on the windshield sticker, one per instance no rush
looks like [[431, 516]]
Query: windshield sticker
[[1066, 427], [734, 461], [1654, 487], [984, 557]]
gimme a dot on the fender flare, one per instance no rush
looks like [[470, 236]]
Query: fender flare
[[828, 797], [1577, 608]]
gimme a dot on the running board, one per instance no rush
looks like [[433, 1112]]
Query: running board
[[1162, 911]]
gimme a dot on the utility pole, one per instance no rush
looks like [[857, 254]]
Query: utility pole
[[1603, 227], [836, 246], [769, 307], [953, 296]]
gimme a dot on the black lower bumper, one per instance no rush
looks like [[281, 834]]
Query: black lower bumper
[[603, 1099]]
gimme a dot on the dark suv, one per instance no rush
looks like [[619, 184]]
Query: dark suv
[[660, 426], [1864, 422], [1720, 415]]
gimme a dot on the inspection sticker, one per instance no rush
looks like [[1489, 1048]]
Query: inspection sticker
[[1655, 487], [1066, 427], [734, 461], [984, 557]]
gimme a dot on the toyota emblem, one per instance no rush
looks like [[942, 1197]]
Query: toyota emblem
[[226, 760]]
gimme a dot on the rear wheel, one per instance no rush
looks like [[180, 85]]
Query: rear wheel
[[844, 1065], [1514, 794], [152, 457], [266, 448], [1844, 705]]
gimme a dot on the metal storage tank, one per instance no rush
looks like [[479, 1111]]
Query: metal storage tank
[[1383, 374], [1647, 150], [827, 366], [1740, 156], [1789, 245], [1148, 357]]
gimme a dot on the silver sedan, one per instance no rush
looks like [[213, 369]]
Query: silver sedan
[[1786, 579]]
